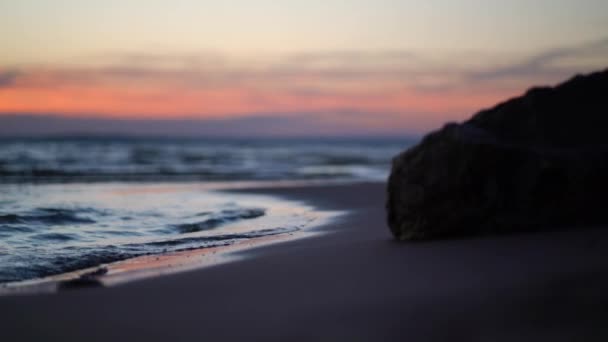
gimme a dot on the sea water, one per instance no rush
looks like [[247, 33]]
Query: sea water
[[69, 204]]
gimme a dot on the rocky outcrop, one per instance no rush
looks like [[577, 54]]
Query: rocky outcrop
[[532, 163]]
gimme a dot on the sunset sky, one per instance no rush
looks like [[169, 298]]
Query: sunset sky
[[340, 67]]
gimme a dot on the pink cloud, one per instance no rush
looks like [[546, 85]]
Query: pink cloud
[[394, 88]]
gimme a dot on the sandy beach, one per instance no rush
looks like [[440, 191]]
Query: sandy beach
[[354, 282], [304, 171]]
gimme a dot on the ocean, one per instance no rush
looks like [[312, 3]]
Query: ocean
[[73, 203]]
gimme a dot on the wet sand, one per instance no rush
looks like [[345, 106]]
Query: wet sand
[[353, 283]]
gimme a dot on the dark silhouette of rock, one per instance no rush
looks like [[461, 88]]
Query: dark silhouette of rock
[[536, 162]]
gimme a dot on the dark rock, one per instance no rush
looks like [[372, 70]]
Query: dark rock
[[86, 280], [537, 162], [79, 283]]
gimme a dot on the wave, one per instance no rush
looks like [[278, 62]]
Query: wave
[[49, 216], [50, 229], [77, 258], [218, 219], [149, 160]]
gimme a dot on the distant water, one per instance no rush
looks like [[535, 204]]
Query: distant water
[[88, 160], [68, 204]]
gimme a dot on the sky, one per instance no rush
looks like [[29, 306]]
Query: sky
[[350, 67]]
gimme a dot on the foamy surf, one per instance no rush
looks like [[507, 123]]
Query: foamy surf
[[52, 229]]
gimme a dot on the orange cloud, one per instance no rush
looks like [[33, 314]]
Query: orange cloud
[[158, 100], [394, 89]]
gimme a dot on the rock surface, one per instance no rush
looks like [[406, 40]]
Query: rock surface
[[536, 162]]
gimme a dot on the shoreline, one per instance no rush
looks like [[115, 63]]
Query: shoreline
[[355, 283], [162, 264], [146, 266]]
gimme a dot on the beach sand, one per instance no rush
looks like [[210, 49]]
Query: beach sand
[[352, 283]]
